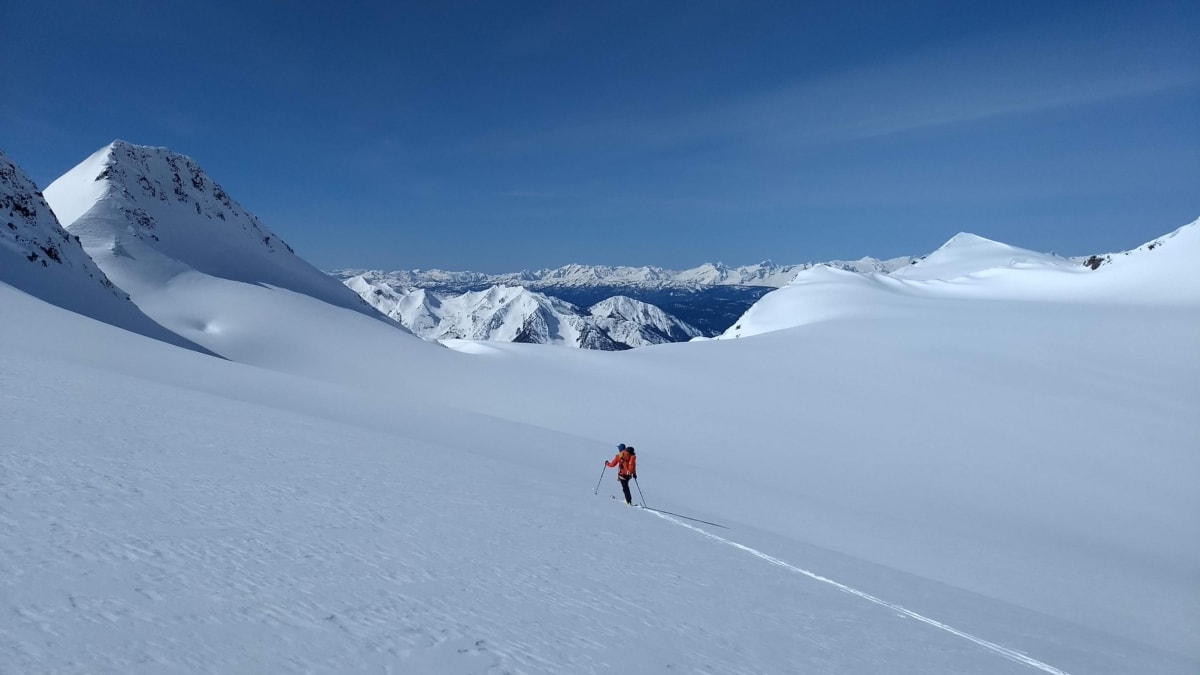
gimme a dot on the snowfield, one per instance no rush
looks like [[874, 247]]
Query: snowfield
[[991, 469]]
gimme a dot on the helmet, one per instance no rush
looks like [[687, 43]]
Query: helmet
[[620, 446]]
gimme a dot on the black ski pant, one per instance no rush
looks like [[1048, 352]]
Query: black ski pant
[[624, 481]]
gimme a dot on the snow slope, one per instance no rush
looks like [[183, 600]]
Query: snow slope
[[1159, 271], [974, 483], [38, 257]]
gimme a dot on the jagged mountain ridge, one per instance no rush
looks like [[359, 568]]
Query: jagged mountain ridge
[[33, 233], [765, 274], [516, 314]]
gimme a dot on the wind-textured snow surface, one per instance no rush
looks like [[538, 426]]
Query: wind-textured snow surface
[[949, 476]]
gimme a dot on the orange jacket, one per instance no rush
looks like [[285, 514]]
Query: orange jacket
[[627, 461]]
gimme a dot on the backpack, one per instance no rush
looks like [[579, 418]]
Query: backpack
[[629, 464]]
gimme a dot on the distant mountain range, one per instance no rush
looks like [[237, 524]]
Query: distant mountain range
[[516, 314], [763, 274], [706, 299], [659, 305]]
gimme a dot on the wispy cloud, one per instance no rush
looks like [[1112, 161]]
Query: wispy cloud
[[1005, 77]]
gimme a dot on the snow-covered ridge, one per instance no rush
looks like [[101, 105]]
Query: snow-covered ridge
[[32, 233], [973, 267], [516, 314], [765, 273]]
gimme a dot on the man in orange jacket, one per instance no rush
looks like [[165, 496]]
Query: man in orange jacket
[[626, 463]]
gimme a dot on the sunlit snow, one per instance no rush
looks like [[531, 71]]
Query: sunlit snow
[[990, 470]]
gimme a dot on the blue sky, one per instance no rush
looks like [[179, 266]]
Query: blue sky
[[498, 136]]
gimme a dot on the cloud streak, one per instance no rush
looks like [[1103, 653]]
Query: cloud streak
[[1007, 77]]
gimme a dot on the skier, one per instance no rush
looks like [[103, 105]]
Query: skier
[[626, 461]]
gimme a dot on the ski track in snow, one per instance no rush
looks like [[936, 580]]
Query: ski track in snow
[[991, 646]]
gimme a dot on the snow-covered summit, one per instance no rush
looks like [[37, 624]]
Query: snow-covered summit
[[156, 211], [39, 257], [201, 265], [639, 324], [967, 253]]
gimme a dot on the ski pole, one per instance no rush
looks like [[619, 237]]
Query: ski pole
[[639, 487], [597, 490]]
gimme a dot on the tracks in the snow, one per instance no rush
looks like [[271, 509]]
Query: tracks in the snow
[[1007, 653]]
